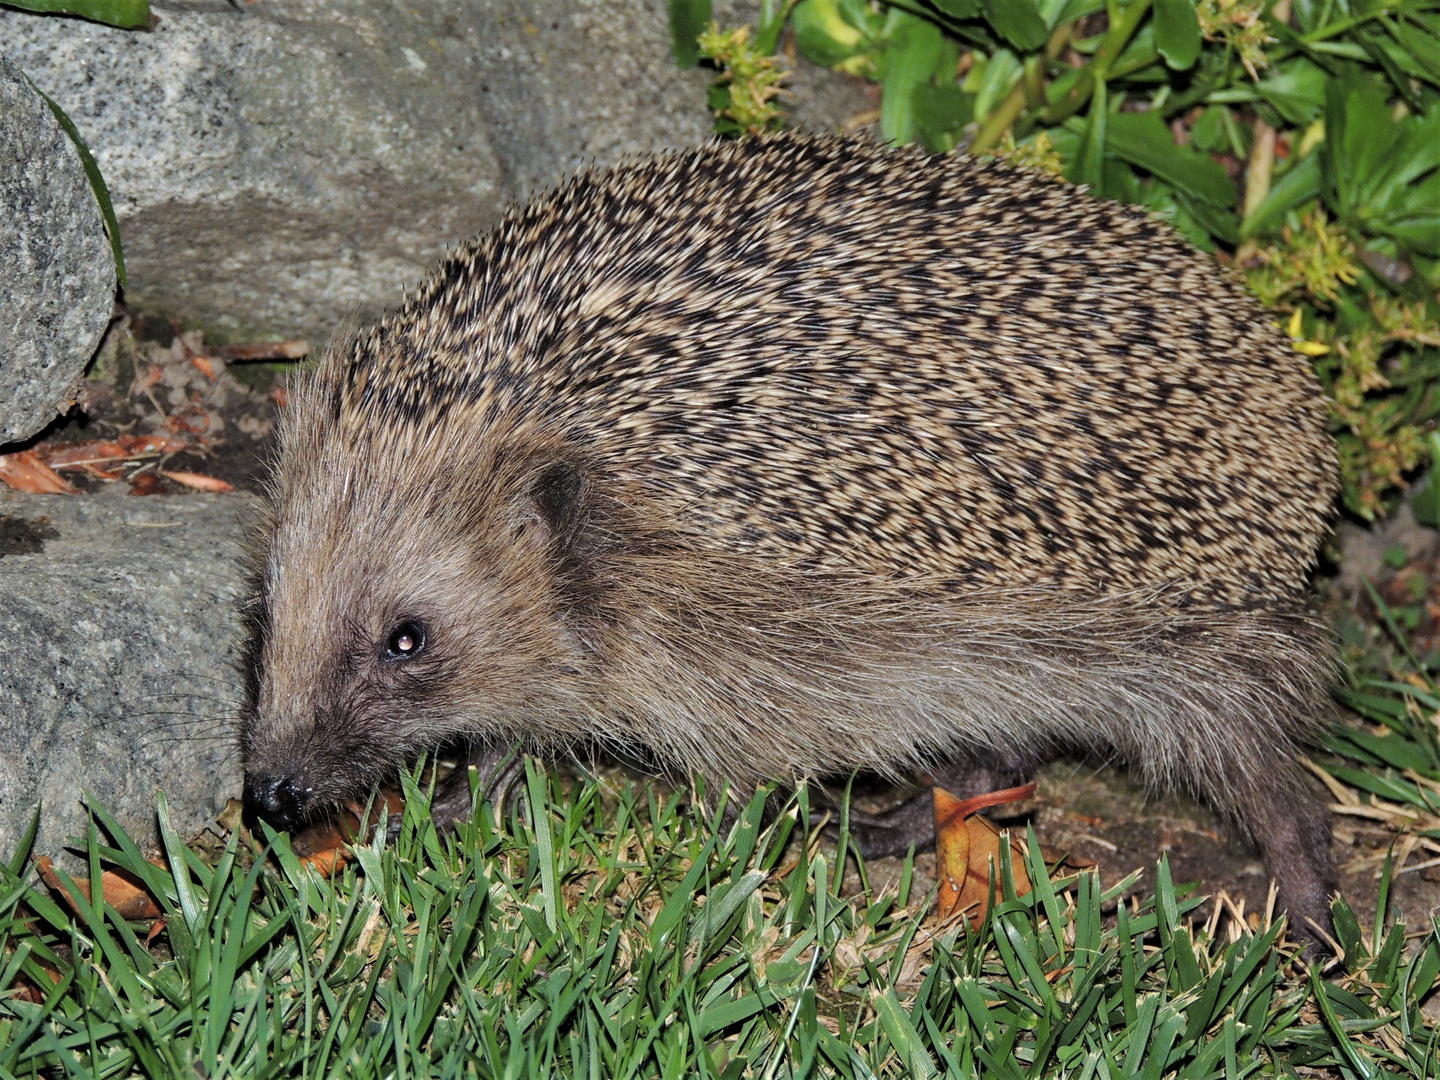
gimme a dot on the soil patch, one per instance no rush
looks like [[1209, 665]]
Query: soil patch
[[162, 413]]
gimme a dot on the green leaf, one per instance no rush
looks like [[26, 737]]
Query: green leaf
[[1143, 139], [1002, 72], [901, 1033], [1358, 137], [1059, 12], [1162, 200], [1219, 222], [1088, 166], [940, 115], [1177, 33], [909, 62], [720, 905], [1381, 173], [1208, 132], [959, 9], [1423, 48], [126, 14], [825, 35], [1426, 504], [1294, 189], [535, 783], [688, 19], [97, 182], [1296, 90], [27, 841], [1018, 22]]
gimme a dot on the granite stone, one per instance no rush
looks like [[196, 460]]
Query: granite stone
[[280, 165], [57, 275], [121, 670]]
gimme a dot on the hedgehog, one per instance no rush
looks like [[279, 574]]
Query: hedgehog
[[796, 456]]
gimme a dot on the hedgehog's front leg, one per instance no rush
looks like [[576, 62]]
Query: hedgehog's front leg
[[498, 767]]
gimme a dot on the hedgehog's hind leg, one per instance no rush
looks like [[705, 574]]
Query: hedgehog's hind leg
[[1291, 826], [1292, 829], [1239, 757], [913, 822]]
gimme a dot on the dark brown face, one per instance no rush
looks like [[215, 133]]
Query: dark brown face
[[389, 623], [364, 708]]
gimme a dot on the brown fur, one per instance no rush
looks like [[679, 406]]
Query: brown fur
[[794, 457]]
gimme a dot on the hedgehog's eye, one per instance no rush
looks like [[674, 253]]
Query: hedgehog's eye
[[405, 641]]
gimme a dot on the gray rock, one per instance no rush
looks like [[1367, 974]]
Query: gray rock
[[120, 673], [278, 164], [57, 277]]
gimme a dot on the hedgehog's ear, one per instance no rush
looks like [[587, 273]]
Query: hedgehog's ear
[[552, 507]]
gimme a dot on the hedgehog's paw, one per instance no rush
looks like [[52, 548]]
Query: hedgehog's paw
[[913, 821], [1292, 829], [498, 767]]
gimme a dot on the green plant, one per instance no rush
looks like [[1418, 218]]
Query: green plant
[[126, 14], [743, 97], [97, 183], [626, 936]]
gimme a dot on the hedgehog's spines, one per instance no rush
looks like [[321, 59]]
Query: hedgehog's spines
[[647, 311]]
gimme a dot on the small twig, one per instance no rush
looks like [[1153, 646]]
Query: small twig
[[1257, 182], [262, 350], [1340, 791]]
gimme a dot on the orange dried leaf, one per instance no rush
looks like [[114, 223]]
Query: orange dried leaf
[[322, 844], [24, 990], [952, 852], [121, 891], [199, 481], [145, 483], [204, 365], [966, 846], [144, 445], [264, 350], [326, 862], [74, 455], [24, 471], [195, 419], [146, 377]]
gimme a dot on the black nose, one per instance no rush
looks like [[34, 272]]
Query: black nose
[[275, 799]]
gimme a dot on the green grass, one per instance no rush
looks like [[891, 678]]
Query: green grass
[[615, 935]]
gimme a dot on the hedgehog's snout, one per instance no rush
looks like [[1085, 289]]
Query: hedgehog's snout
[[278, 800]]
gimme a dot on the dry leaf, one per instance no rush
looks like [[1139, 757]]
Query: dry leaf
[[264, 350], [146, 483], [91, 455], [144, 445], [24, 471], [199, 481], [146, 377], [204, 365], [322, 844], [75, 455], [24, 990], [121, 891], [965, 846], [195, 419]]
